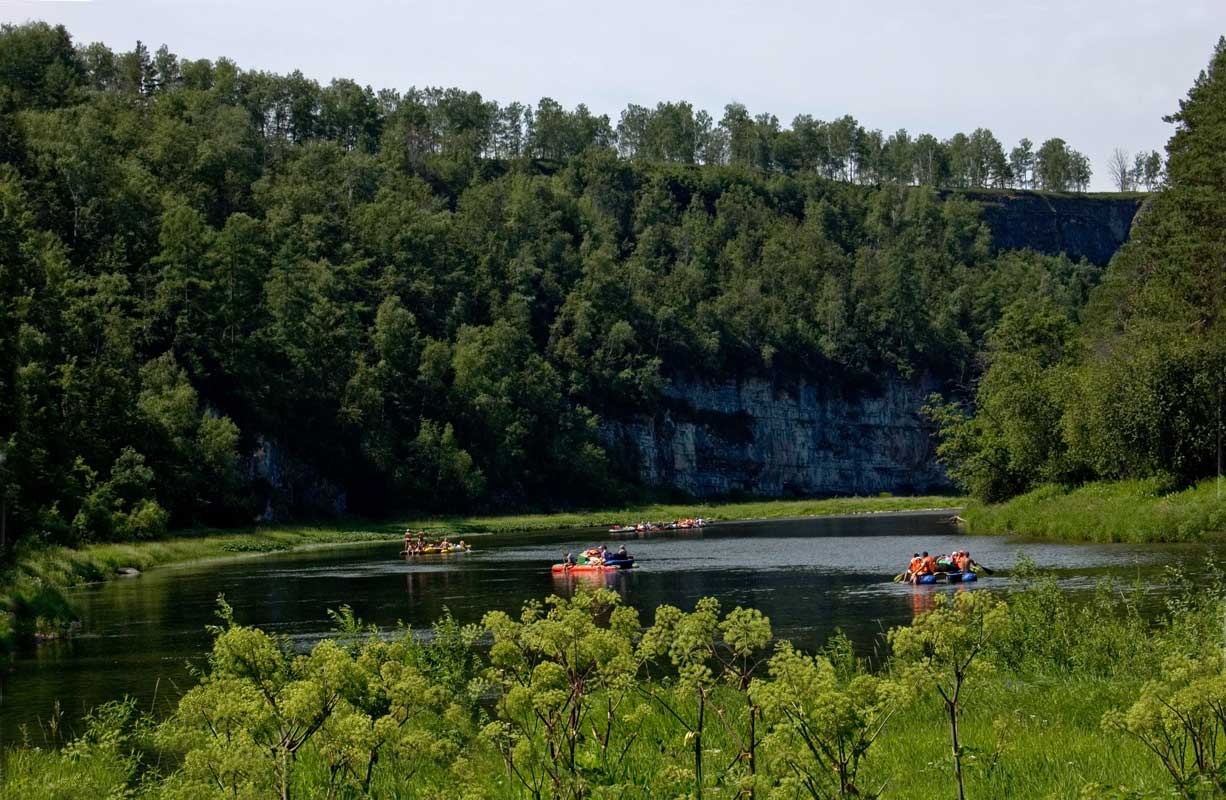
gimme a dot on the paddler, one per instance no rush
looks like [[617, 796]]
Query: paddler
[[928, 565], [913, 568], [569, 559]]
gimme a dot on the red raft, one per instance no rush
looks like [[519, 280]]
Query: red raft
[[585, 568]]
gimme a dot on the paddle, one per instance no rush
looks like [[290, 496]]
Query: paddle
[[979, 567], [898, 578]]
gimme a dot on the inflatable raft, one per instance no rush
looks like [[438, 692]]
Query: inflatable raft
[[439, 551], [583, 568], [610, 565], [948, 577]]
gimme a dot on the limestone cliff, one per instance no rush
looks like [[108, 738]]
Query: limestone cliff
[[1080, 226], [776, 438]]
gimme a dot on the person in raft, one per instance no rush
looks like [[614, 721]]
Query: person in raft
[[912, 568], [622, 554], [965, 562], [928, 565], [569, 559]]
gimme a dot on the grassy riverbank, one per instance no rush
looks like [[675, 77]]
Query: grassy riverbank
[[31, 590], [725, 512], [1120, 511]]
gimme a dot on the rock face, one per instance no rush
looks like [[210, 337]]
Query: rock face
[[770, 438], [1079, 226], [289, 487]]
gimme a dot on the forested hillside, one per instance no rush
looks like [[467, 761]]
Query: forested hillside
[[1135, 390], [431, 299]]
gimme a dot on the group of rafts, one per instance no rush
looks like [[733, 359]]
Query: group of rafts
[[416, 544], [956, 568], [653, 527]]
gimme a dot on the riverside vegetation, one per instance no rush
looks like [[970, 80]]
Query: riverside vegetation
[[1023, 695], [1142, 510], [1125, 398]]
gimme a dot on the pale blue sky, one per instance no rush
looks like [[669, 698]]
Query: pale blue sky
[[1100, 74]]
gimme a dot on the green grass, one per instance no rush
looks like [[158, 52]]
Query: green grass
[[1025, 740], [755, 509], [1121, 511]]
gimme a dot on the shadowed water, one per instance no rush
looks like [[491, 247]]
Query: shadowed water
[[809, 576]]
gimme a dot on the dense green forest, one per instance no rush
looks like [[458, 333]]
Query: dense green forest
[[1134, 389], [429, 298]]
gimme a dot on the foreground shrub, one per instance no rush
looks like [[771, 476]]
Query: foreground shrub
[[823, 724], [1180, 717], [943, 647], [242, 728], [547, 666]]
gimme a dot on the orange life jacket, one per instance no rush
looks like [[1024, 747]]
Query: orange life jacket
[[928, 564], [915, 564]]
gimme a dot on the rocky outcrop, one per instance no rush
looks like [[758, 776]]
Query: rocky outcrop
[[288, 487], [1092, 227], [777, 438]]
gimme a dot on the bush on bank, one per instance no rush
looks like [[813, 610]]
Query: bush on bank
[[1108, 511], [577, 698]]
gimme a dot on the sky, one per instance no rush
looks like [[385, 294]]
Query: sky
[[1098, 74]]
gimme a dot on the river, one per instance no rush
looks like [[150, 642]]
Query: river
[[138, 636]]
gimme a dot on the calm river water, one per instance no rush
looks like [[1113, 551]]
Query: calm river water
[[139, 636]]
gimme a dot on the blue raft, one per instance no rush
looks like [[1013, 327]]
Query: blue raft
[[948, 577]]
